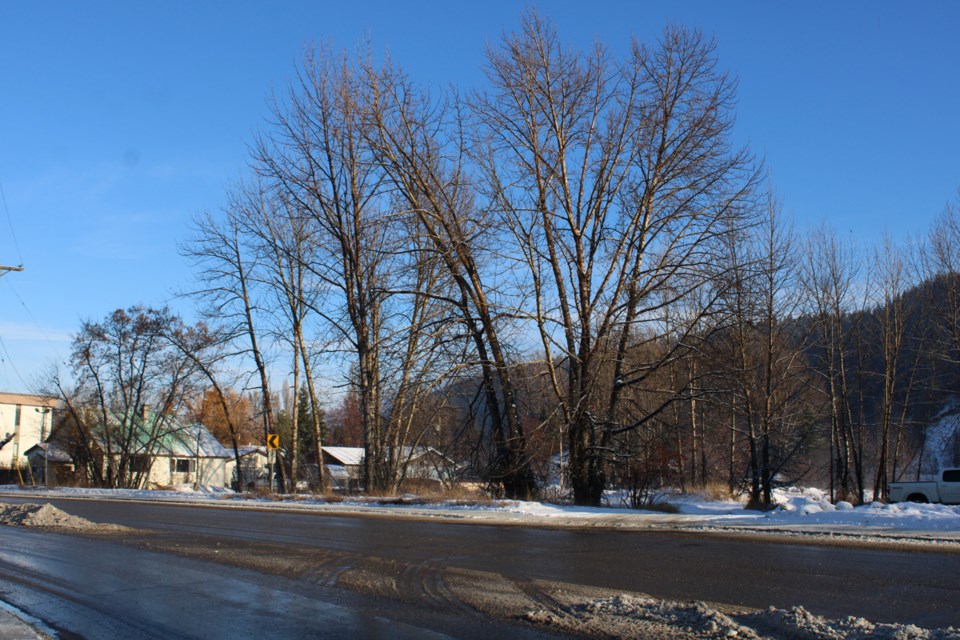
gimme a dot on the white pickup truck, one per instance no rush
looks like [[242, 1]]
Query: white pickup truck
[[945, 489]]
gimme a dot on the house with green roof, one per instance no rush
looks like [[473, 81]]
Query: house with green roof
[[150, 451]]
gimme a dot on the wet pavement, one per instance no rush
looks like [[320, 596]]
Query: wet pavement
[[100, 586], [286, 573]]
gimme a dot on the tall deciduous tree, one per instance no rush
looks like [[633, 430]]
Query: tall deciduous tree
[[941, 265], [377, 288], [830, 271], [286, 240], [227, 265], [892, 278], [314, 161], [771, 377], [421, 146], [131, 380], [618, 181]]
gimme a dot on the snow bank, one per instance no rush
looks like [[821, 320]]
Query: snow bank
[[800, 510], [901, 515], [44, 515]]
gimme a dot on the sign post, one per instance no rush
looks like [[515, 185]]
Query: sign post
[[273, 445]]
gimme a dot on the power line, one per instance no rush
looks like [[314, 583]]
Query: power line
[[41, 331], [33, 319], [4, 270], [13, 234], [9, 360]]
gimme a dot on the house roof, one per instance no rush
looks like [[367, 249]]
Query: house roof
[[353, 456], [347, 456], [51, 452], [27, 399], [172, 438], [190, 440]]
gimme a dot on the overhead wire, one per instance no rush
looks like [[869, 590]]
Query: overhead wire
[[33, 319], [13, 234], [9, 360]]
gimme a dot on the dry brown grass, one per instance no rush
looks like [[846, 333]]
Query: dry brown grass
[[716, 491], [436, 491], [662, 506]]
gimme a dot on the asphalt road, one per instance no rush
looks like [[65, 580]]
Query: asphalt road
[[204, 570]]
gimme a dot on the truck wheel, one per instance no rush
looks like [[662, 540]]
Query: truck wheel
[[917, 497]]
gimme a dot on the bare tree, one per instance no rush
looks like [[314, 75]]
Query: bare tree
[[892, 279], [286, 240], [772, 378], [377, 288], [940, 265], [226, 264], [131, 380], [616, 180], [829, 274], [421, 146]]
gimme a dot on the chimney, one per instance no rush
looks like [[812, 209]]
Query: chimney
[[145, 412]]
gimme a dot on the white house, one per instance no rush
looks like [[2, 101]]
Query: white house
[[344, 464], [24, 422], [189, 454], [167, 452], [254, 465]]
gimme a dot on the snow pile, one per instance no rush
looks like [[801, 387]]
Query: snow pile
[[638, 616], [801, 624], [698, 505], [797, 508], [178, 491], [901, 515], [806, 506], [41, 515], [204, 488], [548, 510]]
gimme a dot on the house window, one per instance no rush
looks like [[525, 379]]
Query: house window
[[16, 417], [184, 466], [139, 464]]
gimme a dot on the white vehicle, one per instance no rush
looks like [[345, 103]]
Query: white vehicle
[[945, 489]]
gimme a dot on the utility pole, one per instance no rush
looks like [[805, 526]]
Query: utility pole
[[4, 270]]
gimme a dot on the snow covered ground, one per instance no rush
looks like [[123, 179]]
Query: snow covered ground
[[801, 512]]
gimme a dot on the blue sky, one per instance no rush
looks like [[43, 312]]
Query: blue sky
[[121, 120]]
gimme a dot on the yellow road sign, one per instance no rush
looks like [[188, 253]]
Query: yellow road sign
[[273, 441]]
